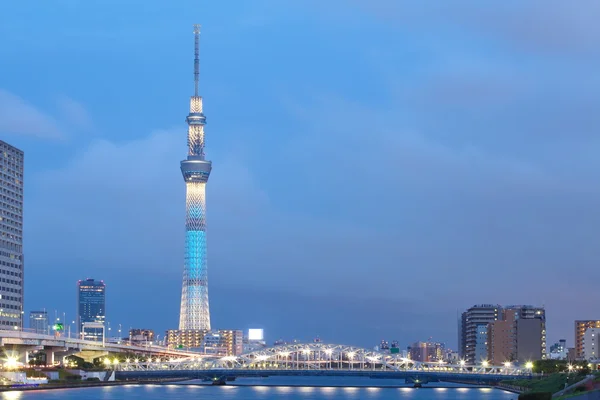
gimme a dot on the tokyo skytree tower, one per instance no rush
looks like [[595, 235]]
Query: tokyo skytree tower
[[194, 312]]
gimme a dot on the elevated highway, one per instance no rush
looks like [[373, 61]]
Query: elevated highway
[[18, 344]]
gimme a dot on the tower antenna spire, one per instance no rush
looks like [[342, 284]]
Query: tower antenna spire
[[196, 58]]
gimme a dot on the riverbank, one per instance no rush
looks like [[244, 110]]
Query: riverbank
[[83, 384]]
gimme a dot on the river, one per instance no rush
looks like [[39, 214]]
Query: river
[[299, 388]]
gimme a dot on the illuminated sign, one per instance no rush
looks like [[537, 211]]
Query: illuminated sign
[[255, 334]]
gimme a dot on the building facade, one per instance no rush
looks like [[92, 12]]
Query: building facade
[[558, 351], [185, 338], [581, 326], [426, 351], [141, 336], [518, 335], [223, 343], [91, 309], [38, 322], [590, 344], [501, 344], [473, 331], [11, 239]]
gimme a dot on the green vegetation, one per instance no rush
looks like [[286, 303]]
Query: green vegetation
[[80, 363], [551, 383], [554, 366]]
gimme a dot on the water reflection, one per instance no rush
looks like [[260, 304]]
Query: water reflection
[[329, 389], [11, 395]]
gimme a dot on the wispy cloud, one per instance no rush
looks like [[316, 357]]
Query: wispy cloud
[[18, 117], [74, 113]]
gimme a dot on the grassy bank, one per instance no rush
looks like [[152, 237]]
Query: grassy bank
[[552, 383]]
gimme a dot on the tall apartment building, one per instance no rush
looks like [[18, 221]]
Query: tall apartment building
[[590, 344], [38, 322], [581, 327], [518, 335], [473, 331], [11, 239], [91, 309]]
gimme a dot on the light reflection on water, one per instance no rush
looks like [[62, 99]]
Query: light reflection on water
[[329, 389]]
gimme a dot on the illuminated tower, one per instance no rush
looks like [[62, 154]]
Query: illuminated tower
[[194, 313]]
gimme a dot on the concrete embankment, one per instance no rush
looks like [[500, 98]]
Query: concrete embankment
[[80, 385]]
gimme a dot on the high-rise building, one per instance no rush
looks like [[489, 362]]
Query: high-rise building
[[473, 331], [590, 344], [580, 327], [91, 308], [38, 322], [11, 241], [519, 334], [531, 333], [194, 312]]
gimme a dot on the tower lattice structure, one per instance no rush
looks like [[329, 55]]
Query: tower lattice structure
[[194, 313]]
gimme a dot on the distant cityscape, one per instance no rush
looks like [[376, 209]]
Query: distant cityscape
[[487, 334]]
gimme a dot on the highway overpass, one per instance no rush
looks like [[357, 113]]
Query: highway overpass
[[19, 344]]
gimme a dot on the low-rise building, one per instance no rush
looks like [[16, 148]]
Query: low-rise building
[[38, 322], [141, 336], [223, 343], [558, 351], [185, 338], [426, 351]]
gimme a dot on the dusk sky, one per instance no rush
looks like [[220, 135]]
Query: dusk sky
[[378, 166]]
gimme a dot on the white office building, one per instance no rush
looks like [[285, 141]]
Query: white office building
[[11, 237]]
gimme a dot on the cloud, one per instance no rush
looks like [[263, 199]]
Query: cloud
[[74, 113], [544, 27], [21, 118]]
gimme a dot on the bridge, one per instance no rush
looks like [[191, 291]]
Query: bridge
[[18, 344], [315, 359]]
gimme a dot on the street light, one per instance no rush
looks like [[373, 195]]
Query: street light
[[529, 365]]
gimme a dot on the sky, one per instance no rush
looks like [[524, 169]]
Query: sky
[[378, 166]]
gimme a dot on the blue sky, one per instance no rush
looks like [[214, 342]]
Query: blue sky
[[377, 166]]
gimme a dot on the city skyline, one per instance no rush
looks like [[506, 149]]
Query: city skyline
[[473, 167]]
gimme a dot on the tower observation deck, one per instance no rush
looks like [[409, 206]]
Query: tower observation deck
[[194, 313]]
